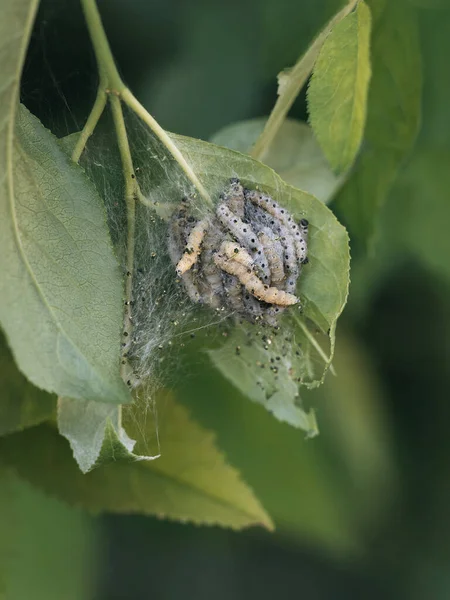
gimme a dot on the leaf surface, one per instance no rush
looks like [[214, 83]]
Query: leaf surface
[[419, 221], [95, 433], [393, 115], [61, 287], [47, 548], [337, 93], [322, 489], [323, 286], [21, 403], [190, 482], [294, 154], [323, 289]]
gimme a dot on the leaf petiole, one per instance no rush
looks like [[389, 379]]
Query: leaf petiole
[[91, 123]]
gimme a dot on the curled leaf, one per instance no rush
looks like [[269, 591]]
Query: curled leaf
[[95, 433]]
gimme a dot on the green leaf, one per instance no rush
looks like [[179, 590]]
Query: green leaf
[[291, 81], [269, 369], [419, 220], [337, 93], [322, 490], [190, 482], [8, 528], [95, 433], [358, 432], [433, 4], [287, 472], [15, 30], [21, 404], [294, 154], [435, 46], [393, 114], [323, 286], [61, 286], [47, 549]]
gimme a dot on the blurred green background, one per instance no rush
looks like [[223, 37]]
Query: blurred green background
[[362, 510]]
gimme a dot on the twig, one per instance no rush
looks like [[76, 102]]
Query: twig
[[113, 83], [130, 199], [91, 123], [293, 82]]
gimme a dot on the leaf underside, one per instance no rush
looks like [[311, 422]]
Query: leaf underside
[[61, 287]]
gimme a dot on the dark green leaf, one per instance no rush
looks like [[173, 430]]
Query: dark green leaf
[[421, 216], [46, 548], [357, 432], [435, 44], [322, 490], [393, 114], [433, 4], [21, 404], [9, 528], [337, 94]]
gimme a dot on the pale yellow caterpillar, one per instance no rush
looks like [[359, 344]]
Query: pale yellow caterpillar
[[192, 249], [253, 284], [239, 254]]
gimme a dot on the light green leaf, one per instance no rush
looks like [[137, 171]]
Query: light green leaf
[[393, 114], [294, 154], [190, 482], [291, 81], [337, 94], [61, 286], [95, 433], [15, 30], [323, 286], [269, 368], [21, 404]]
